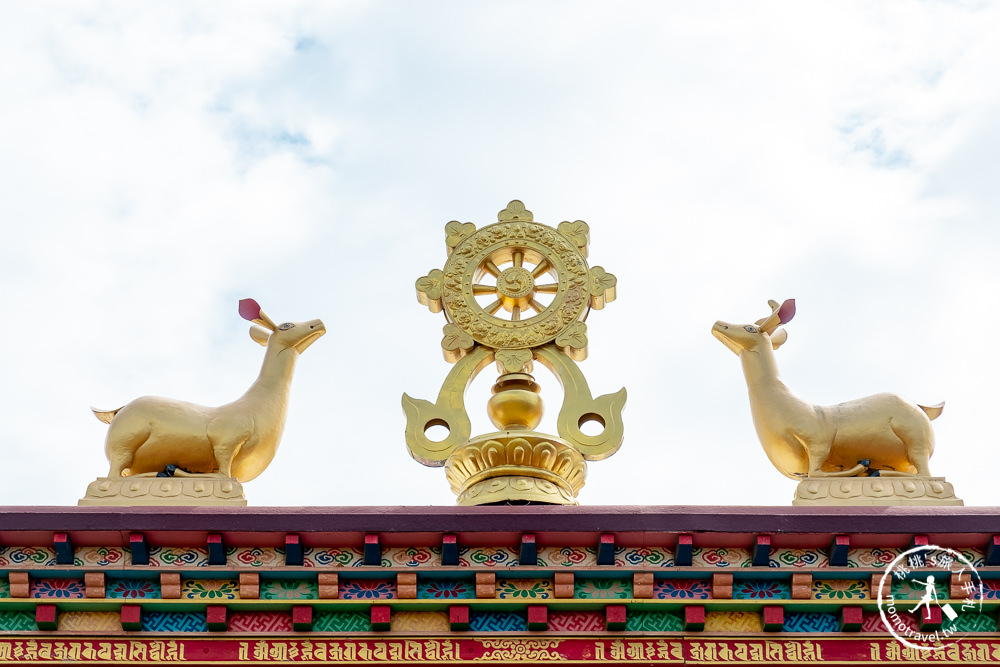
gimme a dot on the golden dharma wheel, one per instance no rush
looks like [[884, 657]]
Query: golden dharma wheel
[[515, 292], [515, 285]]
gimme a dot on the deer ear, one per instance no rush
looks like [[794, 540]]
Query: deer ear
[[260, 334], [787, 311], [778, 337]]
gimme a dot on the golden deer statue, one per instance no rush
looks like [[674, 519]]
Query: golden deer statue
[[236, 440], [881, 435]]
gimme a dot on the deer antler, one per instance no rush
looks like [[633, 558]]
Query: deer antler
[[251, 310], [779, 315]]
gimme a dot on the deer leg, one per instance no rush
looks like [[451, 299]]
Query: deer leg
[[120, 458], [919, 462], [226, 459], [922, 463], [124, 439], [117, 467], [121, 455], [227, 436], [816, 465], [856, 471], [918, 442]]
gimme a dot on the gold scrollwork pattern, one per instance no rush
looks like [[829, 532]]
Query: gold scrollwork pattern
[[456, 232], [521, 650], [514, 361], [501, 489]]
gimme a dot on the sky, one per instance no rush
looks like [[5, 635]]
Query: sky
[[161, 161]]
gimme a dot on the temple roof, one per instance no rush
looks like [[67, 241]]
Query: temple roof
[[797, 527]]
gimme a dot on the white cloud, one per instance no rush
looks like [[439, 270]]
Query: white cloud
[[160, 162]]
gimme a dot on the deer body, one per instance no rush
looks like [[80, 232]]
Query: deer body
[[884, 433], [238, 439]]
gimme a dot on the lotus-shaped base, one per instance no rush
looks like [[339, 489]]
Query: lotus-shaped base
[[516, 466], [875, 491]]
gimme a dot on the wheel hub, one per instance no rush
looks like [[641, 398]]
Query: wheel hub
[[516, 288]]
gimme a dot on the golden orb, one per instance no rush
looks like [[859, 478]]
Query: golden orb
[[515, 404]]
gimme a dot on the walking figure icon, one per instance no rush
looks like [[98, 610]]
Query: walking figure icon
[[931, 595]]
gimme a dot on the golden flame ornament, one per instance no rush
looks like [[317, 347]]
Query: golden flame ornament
[[515, 292]]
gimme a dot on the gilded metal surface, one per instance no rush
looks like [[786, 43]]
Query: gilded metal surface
[[579, 407], [515, 404], [545, 264], [236, 440], [515, 292], [524, 467], [882, 435], [448, 411]]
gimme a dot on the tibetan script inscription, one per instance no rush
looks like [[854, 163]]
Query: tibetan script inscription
[[96, 651], [348, 651], [747, 651], [648, 650], [718, 651]]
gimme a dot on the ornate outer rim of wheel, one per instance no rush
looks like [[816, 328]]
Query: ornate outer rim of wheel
[[515, 242]]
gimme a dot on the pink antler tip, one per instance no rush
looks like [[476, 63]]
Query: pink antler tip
[[249, 309], [787, 311]]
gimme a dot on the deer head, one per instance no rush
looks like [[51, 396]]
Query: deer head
[[294, 335], [747, 337]]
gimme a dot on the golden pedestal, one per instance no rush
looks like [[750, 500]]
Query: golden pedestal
[[515, 466], [192, 490], [857, 491]]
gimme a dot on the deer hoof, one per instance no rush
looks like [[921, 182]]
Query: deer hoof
[[865, 462], [875, 473]]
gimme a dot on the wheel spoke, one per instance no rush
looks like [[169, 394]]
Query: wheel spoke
[[535, 306], [518, 258], [491, 268], [547, 289], [542, 267], [484, 289], [493, 307], [515, 314]]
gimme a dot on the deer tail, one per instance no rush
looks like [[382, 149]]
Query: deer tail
[[105, 415], [933, 411]]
